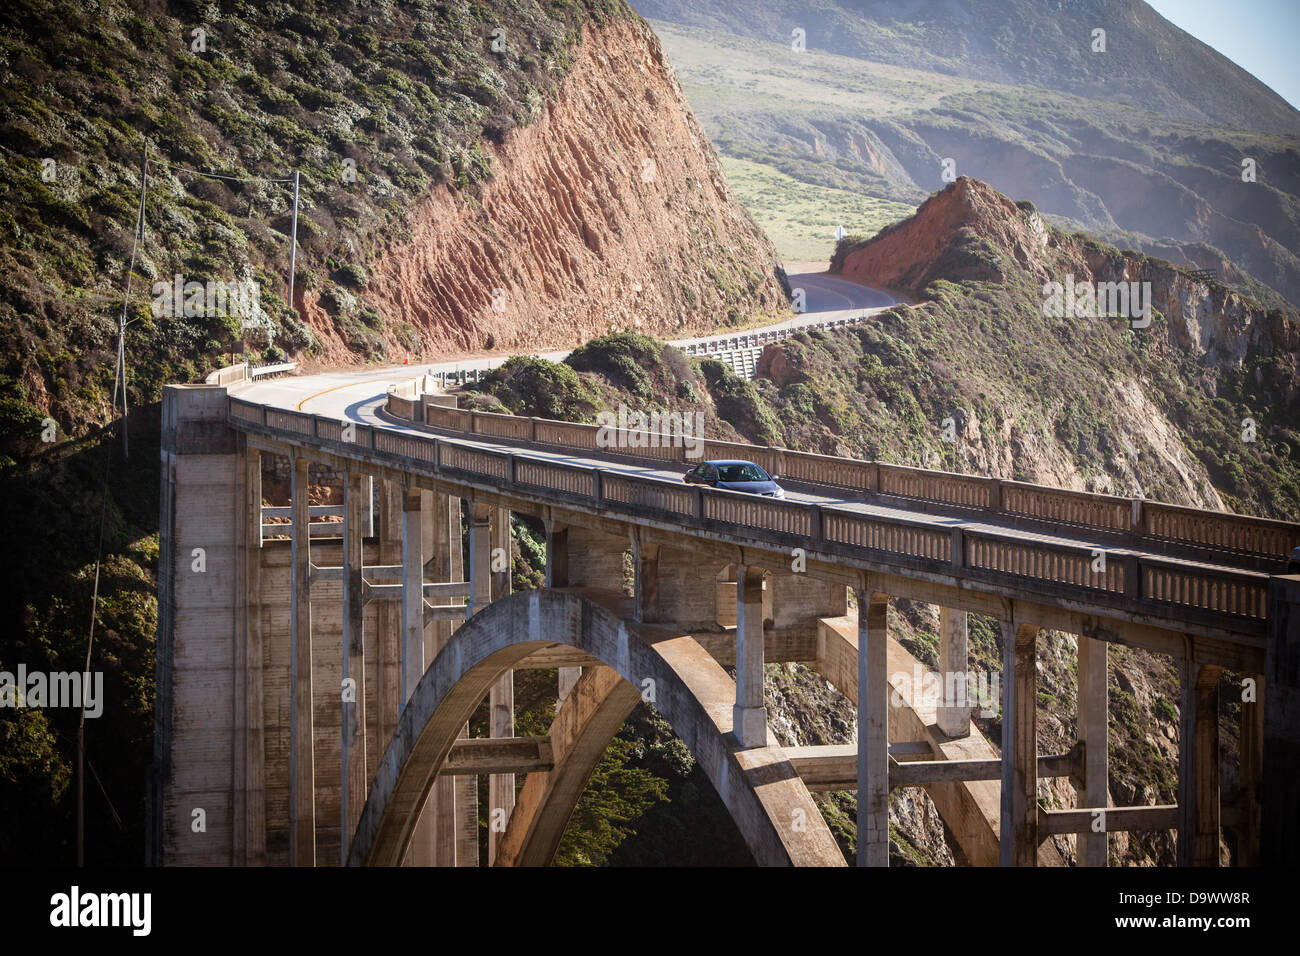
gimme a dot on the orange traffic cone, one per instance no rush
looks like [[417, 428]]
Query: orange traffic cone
[[408, 359]]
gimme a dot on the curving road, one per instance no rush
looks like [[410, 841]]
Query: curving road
[[356, 393]]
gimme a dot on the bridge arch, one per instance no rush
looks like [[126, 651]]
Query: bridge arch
[[772, 808]]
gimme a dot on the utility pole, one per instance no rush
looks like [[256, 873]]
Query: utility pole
[[120, 373], [293, 242]]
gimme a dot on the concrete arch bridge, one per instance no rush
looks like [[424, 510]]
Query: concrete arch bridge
[[316, 678]]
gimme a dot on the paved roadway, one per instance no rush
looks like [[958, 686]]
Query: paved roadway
[[334, 393]]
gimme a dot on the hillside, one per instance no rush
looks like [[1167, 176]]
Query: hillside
[[1135, 145], [453, 196]]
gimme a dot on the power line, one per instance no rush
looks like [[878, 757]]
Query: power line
[[233, 179]]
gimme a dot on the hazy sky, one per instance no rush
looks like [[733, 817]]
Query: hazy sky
[[1261, 36]]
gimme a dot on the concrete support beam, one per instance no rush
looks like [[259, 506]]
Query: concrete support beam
[[873, 728], [953, 711], [302, 759], [595, 559], [645, 568], [465, 813], [794, 599], [557, 576], [388, 639], [749, 716], [1198, 765], [499, 756], [835, 767], [1252, 766], [480, 560], [252, 719], [1057, 822], [412, 593], [354, 783], [427, 546], [1280, 787], [501, 699], [1019, 831], [1093, 676]]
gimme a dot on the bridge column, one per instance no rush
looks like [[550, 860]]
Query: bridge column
[[1252, 765], [501, 786], [412, 592], [749, 716], [1019, 839], [873, 728], [354, 783], [435, 526], [250, 776], [586, 558], [557, 576], [1198, 765], [388, 670], [953, 712], [1280, 802], [645, 567], [302, 760], [458, 812], [1093, 723]]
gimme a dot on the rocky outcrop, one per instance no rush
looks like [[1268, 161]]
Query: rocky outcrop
[[609, 211], [1207, 321]]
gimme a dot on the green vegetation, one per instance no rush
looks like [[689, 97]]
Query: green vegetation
[[800, 218]]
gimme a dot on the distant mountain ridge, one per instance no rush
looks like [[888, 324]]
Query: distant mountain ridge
[[1158, 144], [1148, 61]]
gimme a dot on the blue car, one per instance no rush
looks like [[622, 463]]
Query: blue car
[[735, 476]]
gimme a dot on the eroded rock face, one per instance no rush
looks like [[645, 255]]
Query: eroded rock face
[[610, 211]]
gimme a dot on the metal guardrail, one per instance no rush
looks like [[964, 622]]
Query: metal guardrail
[[1230, 598], [243, 372], [740, 352]]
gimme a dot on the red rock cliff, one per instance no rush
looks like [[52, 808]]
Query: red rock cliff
[[610, 211]]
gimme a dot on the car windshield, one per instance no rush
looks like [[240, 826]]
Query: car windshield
[[744, 472]]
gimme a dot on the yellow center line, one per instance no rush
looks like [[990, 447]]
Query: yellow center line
[[326, 391]]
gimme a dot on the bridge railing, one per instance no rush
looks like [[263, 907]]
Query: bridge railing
[[1230, 598], [1261, 543]]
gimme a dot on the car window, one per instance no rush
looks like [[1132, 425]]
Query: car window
[[744, 472]]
